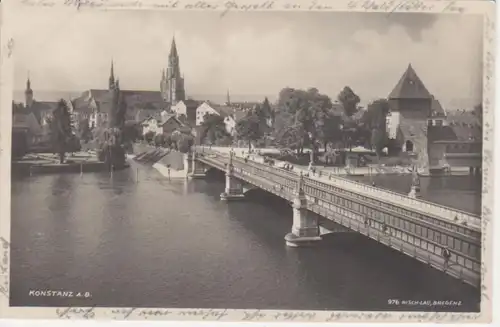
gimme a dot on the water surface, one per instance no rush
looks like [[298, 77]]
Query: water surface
[[155, 243]]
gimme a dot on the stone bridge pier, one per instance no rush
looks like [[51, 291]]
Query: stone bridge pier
[[305, 228], [234, 188], [194, 168]]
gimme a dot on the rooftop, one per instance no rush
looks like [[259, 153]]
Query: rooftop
[[410, 86]]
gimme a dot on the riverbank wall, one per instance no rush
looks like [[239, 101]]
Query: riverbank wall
[[169, 163], [167, 157]]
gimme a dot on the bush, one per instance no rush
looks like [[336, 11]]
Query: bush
[[131, 133], [149, 136], [225, 141], [168, 141], [159, 140], [184, 143], [74, 144], [112, 155]]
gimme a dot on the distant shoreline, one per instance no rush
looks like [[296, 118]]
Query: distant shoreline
[[46, 95]]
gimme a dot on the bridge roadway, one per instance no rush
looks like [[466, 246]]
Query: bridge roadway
[[437, 240]]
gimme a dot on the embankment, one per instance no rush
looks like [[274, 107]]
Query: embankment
[[160, 158]]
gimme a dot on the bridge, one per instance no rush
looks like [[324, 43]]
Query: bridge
[[444, 238]]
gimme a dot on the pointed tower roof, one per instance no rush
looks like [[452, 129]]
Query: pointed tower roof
[[112, 76], [410, 86], [173, 48], [28, 84]]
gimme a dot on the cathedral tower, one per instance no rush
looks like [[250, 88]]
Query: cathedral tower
[[172, 85]]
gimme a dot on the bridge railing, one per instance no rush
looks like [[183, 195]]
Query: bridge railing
[[419, 205], [438, 210]]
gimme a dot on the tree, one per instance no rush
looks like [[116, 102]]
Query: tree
[[131, 132], [118, 109], [110, 148], [376, 114], [159, 140], [378, 141], [84, 132], [349, 100], [249, 128], [268, 111], [60, 128], [374, 121], [213, 128], [329, 128], [290, 138], [149, 136], [111, 139], [265, 115], [305, 112], [168, 141], [182, 141]]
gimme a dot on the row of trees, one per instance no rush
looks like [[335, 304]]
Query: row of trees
[[308, 119], [109, 137]]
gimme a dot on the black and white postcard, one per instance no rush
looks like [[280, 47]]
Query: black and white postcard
[[303, 161]]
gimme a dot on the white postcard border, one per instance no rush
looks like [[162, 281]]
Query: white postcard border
[[7, 52]]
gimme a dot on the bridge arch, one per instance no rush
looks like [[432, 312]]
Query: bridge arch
[[391, 219]]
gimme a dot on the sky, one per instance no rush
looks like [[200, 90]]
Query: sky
[[256, 53]]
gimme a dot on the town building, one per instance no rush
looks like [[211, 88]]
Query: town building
[[163, 123], [26, 129], [230, 115], [422, 128], [95, 105], [186, 110], [42, 110], [30, 120]]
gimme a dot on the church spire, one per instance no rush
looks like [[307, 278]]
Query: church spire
[[28, 84], [173, 48], [174, 81], [28, 93], [112, 76]]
